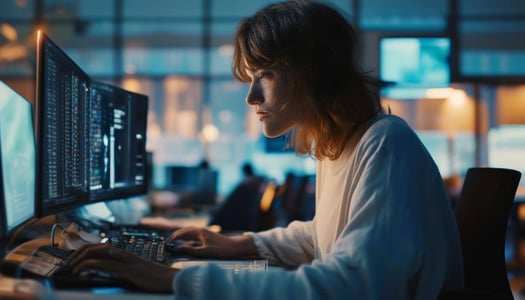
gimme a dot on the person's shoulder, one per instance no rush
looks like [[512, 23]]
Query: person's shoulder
[[387, 124], [389, 132], [389, 120]]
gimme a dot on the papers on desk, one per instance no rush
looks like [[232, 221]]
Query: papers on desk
[[236, 265]]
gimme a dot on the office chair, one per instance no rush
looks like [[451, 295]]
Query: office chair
[[239, 211], [292, 195], [482, 213]]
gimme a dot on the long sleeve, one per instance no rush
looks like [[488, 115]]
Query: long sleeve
[[316, 281], [290, 246], [384, 229]]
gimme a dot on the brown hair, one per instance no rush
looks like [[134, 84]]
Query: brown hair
[[316, 48]]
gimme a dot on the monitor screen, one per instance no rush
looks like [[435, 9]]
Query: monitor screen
[[491, 50], [118, 158], [91, 136], [414, 62], [62, 99], [17, 161], [195, 185]]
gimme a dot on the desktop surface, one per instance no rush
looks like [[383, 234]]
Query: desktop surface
[[40, 258]]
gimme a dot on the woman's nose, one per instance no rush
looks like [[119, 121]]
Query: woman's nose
[[255, 94]]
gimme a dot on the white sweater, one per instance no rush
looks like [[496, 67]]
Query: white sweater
[[383, 229]]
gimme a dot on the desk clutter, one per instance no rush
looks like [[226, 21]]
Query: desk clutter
[[44, 259]]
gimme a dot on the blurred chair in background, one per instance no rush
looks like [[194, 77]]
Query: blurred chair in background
[[240, 209]]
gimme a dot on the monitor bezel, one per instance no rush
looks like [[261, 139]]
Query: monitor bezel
[[45, 210], [42, 41]]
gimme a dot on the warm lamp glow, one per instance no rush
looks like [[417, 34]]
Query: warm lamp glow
[[521, 212], [438, 93], [458, 99], [12, 52], [209, 133], [452, 114], [131, 84], [267, 197], [9, 32]]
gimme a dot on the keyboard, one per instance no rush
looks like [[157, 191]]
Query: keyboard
[[134, 230], [151, 248], [48, 262], [150, 244]]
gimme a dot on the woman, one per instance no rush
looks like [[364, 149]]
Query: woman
[[384, 227]]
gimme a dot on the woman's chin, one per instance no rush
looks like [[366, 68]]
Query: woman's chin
[[272, 134]]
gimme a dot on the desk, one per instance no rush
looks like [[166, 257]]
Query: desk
[[109, 294], [25, 289], [42, 289]]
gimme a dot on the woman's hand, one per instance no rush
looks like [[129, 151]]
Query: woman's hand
[[148, 276], [205, 243]]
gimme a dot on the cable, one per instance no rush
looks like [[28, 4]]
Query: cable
[[53, 229]]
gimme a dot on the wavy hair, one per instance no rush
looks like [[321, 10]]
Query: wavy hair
[[316, 49]]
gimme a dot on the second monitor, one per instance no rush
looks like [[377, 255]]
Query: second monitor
[[117, 135], [91, 136], [17, 162]]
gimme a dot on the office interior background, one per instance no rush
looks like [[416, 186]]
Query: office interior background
[[179, 54]]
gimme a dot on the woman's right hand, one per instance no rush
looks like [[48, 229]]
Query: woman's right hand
[[146, 275], [205, 243]]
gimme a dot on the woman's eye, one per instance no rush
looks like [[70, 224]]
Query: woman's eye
[[262, 75]]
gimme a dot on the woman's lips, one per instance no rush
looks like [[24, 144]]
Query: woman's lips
[[261, 115]]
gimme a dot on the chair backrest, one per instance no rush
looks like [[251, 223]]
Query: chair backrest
[[482, 214], [239, 211], [294, 189]]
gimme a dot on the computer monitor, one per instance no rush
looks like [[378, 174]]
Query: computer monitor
[[91, 136], [181, 178], [17, 161], [414, 63], [118, 157], [195, 185], [61, 104]]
